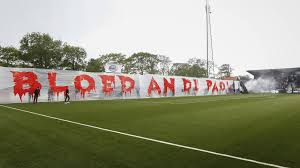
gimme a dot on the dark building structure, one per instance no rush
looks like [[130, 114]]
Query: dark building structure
[[287, 79]]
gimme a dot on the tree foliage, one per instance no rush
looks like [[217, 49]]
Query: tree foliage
[[180, 69], [73, 57], [9, 56], [97, 65], [142, 63], [94, 65], [194, 68], [41, 50], [225, 70], [164, 64]]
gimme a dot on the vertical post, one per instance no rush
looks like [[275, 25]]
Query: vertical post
[[207, 36]]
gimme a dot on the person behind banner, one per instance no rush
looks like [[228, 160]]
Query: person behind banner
[[67, 96], [50, 95], [36, 95]]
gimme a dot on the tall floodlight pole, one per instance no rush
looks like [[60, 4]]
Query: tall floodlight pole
[[209, 43], [207, 51]]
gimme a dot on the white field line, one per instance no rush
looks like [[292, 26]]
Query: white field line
[[149, 139], [191, 101]]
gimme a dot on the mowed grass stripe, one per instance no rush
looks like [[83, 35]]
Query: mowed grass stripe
[[237, 127], [150, 139], [256, 128], [196, 100], [34, 142]]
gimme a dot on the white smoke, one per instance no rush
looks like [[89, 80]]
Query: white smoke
[[261, 85]]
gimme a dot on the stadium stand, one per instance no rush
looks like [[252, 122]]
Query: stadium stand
[[287, 79]]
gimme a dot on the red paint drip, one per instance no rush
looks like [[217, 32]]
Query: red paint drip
[[25, 78], [209, 84], [169, 86], [222, 86], [108, 84], [78, 86], [187, 85], [52, 83], [196, 89], [153, 87], [215, 88], [126, 89]]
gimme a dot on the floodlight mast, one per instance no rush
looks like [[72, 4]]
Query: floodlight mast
[[210, 70], [206, 11]]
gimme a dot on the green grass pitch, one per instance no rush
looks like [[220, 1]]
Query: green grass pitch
[[264, 128]]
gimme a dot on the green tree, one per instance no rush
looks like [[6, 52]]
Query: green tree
[[180, 69], [196, 61], [193, 68], [97, 65], [197, 67], [73, 57], [164, 64], [9, 56], [141, 63], [41, 50], [94, 65], [197, 71], [225, 70], [113, 57]]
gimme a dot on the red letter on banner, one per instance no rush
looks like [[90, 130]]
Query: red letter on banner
[[209, 84], [78, 86], [107, 82], [170, 86], [153, 87], [222, 86], [52, 83], [124, 81], [25, 78], [196, 89], [187, 85], [215, 88]]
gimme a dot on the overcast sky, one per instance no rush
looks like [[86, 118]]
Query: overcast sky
[[248, 34]]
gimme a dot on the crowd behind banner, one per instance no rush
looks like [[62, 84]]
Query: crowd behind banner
[[18, 85]]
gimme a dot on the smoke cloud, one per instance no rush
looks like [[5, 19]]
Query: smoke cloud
[[261, 85]]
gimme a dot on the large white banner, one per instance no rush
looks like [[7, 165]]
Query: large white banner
[[18, 84]]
